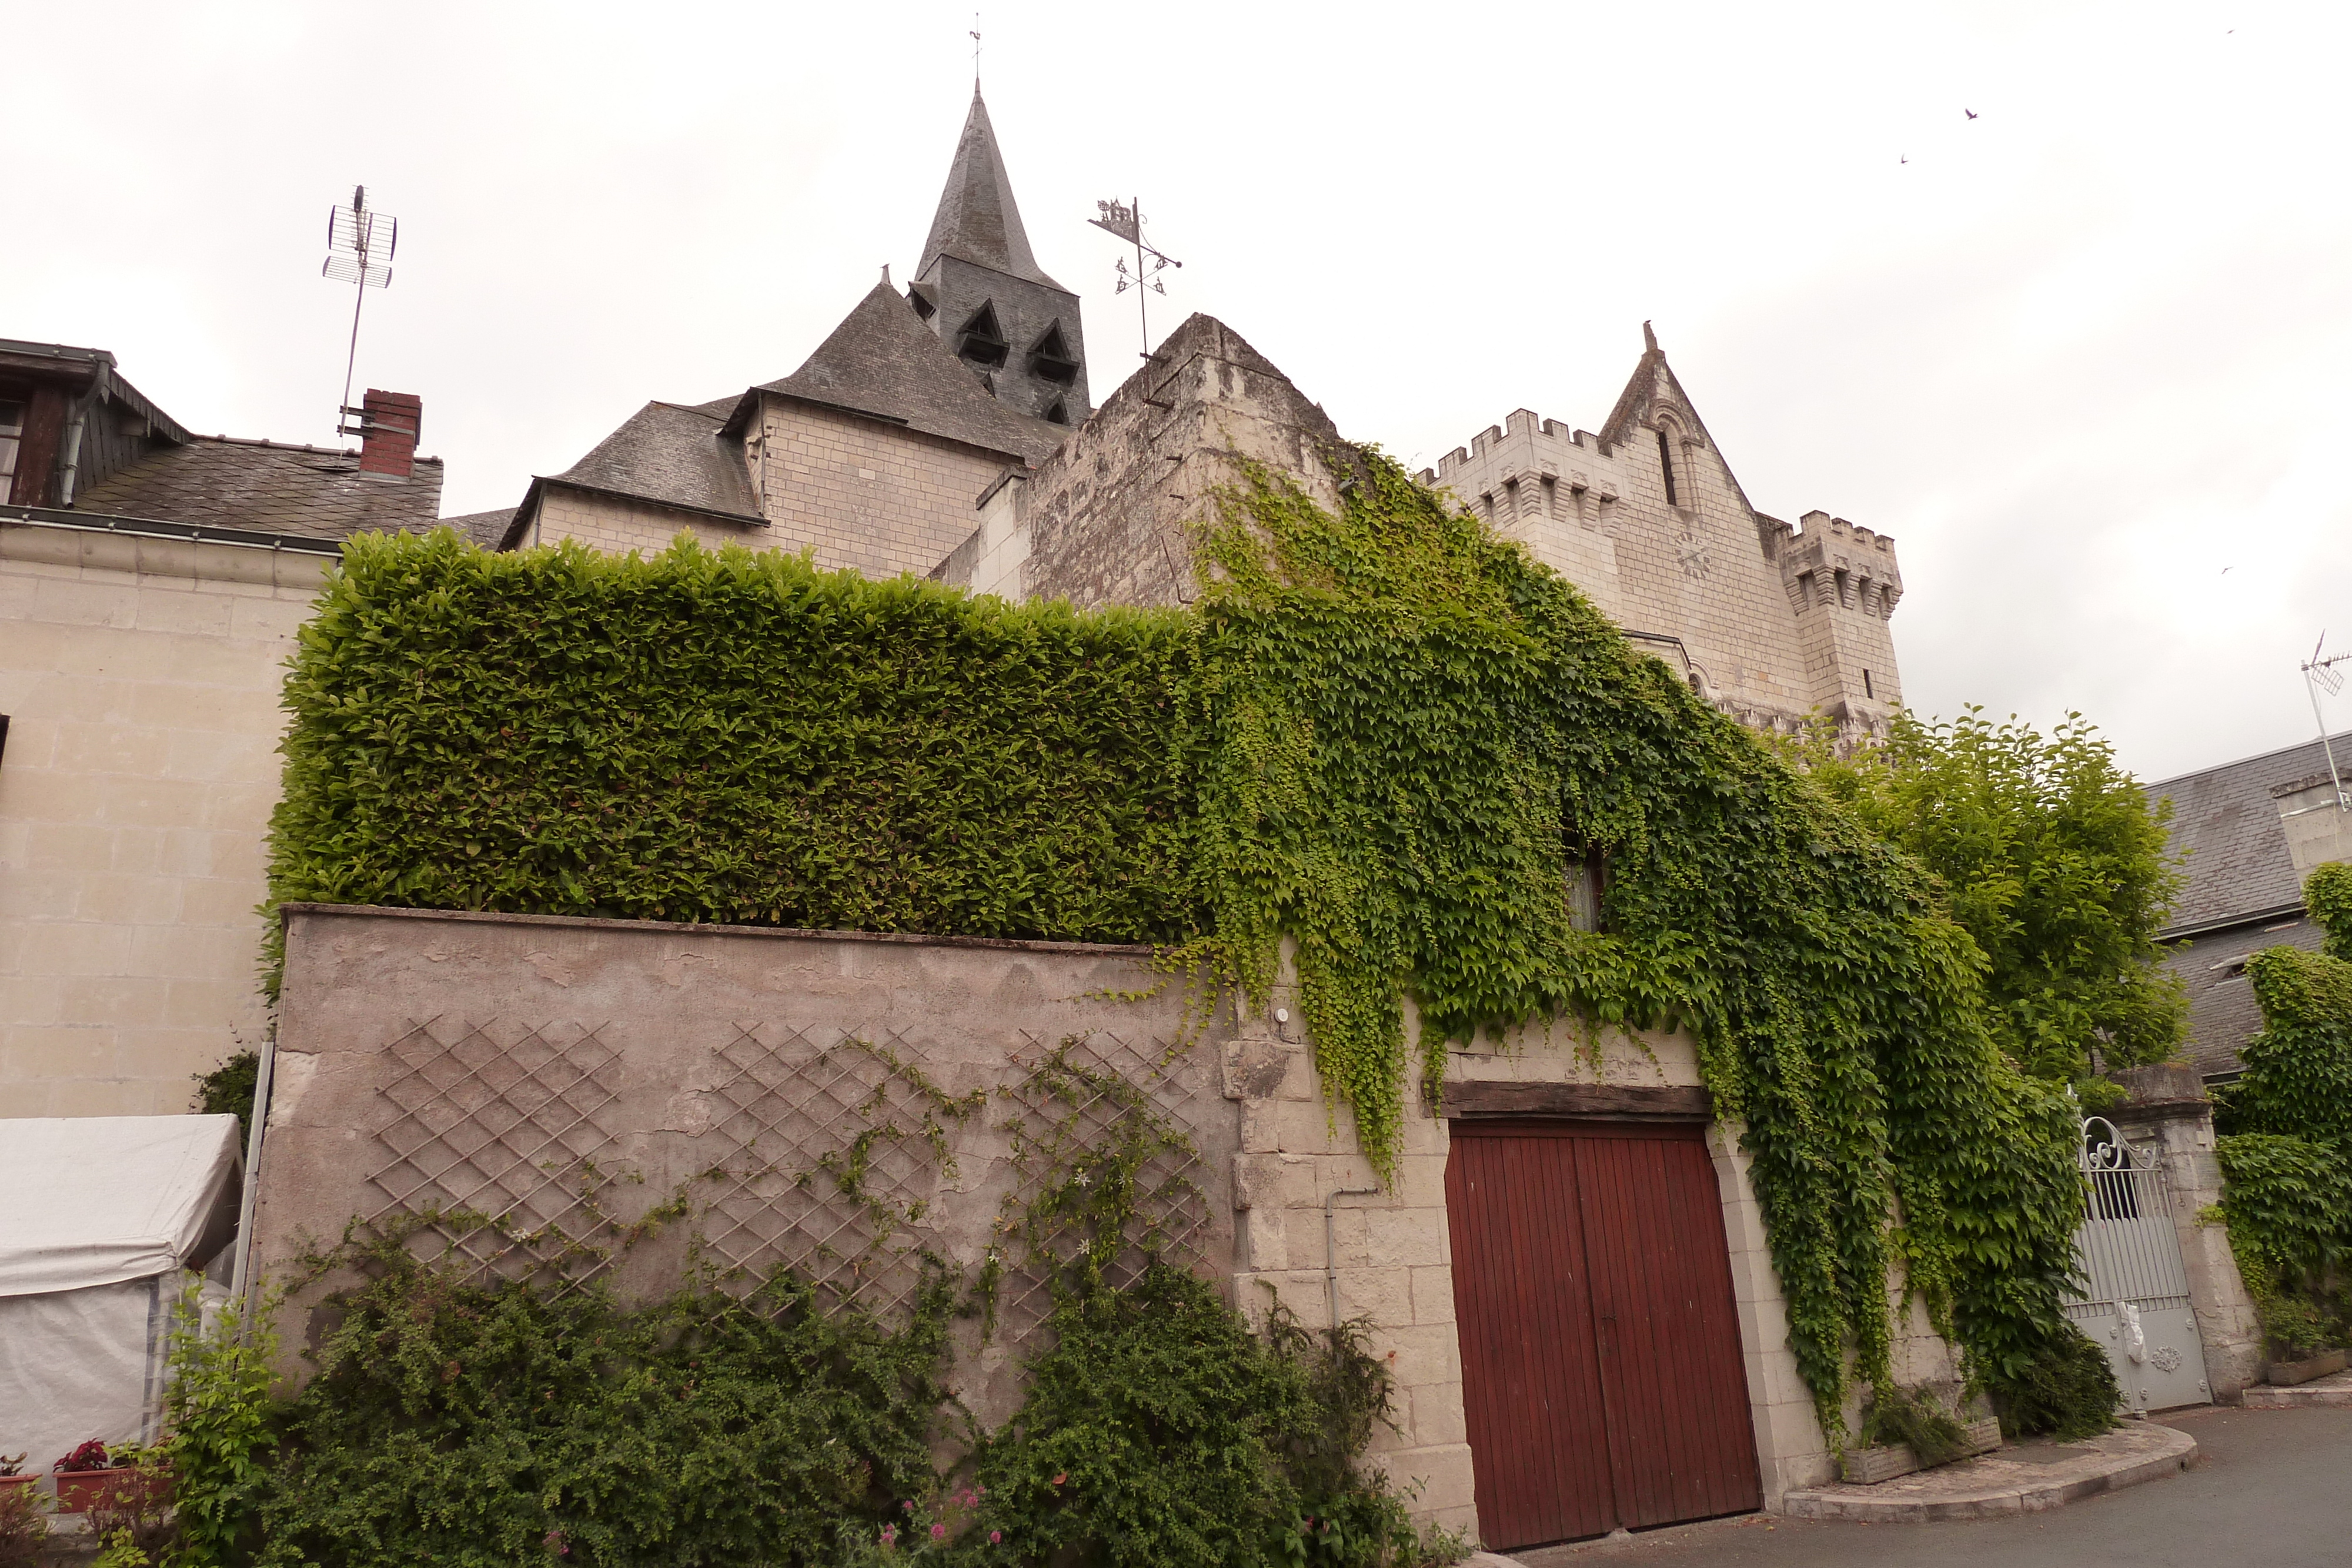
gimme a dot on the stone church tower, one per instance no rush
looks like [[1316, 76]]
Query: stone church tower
[[982, 291]]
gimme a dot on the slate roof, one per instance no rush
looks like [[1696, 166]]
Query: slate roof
[[266, 487], [2227, 823], [485, 528], [977, 219], [2222, 1014], [882, 360], [671, 453]]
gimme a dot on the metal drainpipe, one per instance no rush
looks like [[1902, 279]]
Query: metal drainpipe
[[1330, 1246], [67, 481]]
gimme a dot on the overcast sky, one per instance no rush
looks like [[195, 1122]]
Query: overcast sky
[[2084, 356]]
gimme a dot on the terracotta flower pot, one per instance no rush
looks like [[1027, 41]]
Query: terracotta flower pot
[[79, 1490], [8, 1481]]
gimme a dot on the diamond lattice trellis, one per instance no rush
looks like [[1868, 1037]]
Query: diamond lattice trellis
[[500, 1121], [1077, 1102], [838, 1155]]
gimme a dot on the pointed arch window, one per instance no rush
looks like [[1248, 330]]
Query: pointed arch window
[[1666, 465], [1059, 414], [981, 341], [1051, 359]]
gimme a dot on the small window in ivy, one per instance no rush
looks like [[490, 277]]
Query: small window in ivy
[[1587, 887], [982, 341]]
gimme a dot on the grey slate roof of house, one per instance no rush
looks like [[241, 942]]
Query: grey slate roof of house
[[2222, 1014], [977, 219], [2227, 823], [264, 486], [485, 528], [668, 452], [882, 360]]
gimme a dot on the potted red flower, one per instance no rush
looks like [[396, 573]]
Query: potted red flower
[[92, 1478]]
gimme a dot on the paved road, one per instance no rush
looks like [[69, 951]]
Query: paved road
[[2272, 1489]]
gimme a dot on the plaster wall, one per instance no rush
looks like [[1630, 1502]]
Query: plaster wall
[[141, 679], [2318, 830], [670, 1002]]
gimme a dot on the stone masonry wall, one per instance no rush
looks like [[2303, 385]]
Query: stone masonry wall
[[140, 678], [1778, 621], [618, 525], [1109, 515], [868, 495]]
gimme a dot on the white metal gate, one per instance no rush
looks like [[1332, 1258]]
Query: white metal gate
[[2134, 1298]]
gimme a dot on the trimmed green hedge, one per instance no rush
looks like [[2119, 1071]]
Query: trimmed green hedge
[[733, 738]]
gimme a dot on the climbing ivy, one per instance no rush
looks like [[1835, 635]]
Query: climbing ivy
[[1413, 731], [1382, 733], [2287, 1162]]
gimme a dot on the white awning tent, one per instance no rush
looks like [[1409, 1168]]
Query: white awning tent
[[104, 1220]]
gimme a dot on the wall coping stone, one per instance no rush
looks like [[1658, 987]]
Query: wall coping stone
[[713, 928]]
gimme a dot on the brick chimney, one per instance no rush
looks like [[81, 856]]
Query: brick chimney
[[388, 445]]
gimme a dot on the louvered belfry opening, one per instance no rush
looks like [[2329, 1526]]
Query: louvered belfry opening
[[982, 341], [1052, 360]]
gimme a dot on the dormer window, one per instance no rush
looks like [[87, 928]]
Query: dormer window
[[920, 298], [1052, 360], [982, 341], [1059, 414]]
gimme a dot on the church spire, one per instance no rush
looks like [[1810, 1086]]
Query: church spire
[[977, 221]]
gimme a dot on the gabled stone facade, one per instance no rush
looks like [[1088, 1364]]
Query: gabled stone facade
[[1772, 622]]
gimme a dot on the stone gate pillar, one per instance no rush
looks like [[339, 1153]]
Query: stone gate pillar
[[2170, 1115]]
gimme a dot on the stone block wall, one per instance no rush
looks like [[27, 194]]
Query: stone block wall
[[1778, 621], [617, 525], [1109, 517], [140, 678], [865, 493]]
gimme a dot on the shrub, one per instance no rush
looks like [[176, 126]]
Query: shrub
[[227, 1090], [24, 1526], [1913, 1416], [2068, 1392]]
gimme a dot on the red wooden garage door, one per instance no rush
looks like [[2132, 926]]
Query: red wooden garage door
[[1601, 1364]]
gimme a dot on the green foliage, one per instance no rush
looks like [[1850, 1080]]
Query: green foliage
[[451, 1424], [731, 738], [2328, 894], [1158, 1431], [1385, 733], [219, 1413], [2287, 1157], [1413, 730], [2067, 1392], [1915, 1417], [24, 1526], [2053, 860], [227, 1090]]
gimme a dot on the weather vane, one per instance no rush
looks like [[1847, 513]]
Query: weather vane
[[360, 244], [975, 51], [1126, 221]]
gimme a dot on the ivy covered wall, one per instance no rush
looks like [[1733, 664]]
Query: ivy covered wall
[[1383, 732]]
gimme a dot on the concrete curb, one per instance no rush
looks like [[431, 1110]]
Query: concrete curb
[[1995, 1486], [2325, 1394]]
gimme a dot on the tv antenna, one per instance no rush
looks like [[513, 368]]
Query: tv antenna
[[2318, 673], [1126, 221], [359, 243]]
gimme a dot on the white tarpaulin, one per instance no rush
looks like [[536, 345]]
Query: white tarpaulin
[[97, 1199], [109, 1218]]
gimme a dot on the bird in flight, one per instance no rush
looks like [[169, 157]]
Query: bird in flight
[[1905, 158], [1969, 112]]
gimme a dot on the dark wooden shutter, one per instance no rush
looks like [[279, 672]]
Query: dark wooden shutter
[[1603, 1376]]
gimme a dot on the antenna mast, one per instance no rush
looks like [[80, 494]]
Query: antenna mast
[[1126, 223], [2318, 673], [359, 245]]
